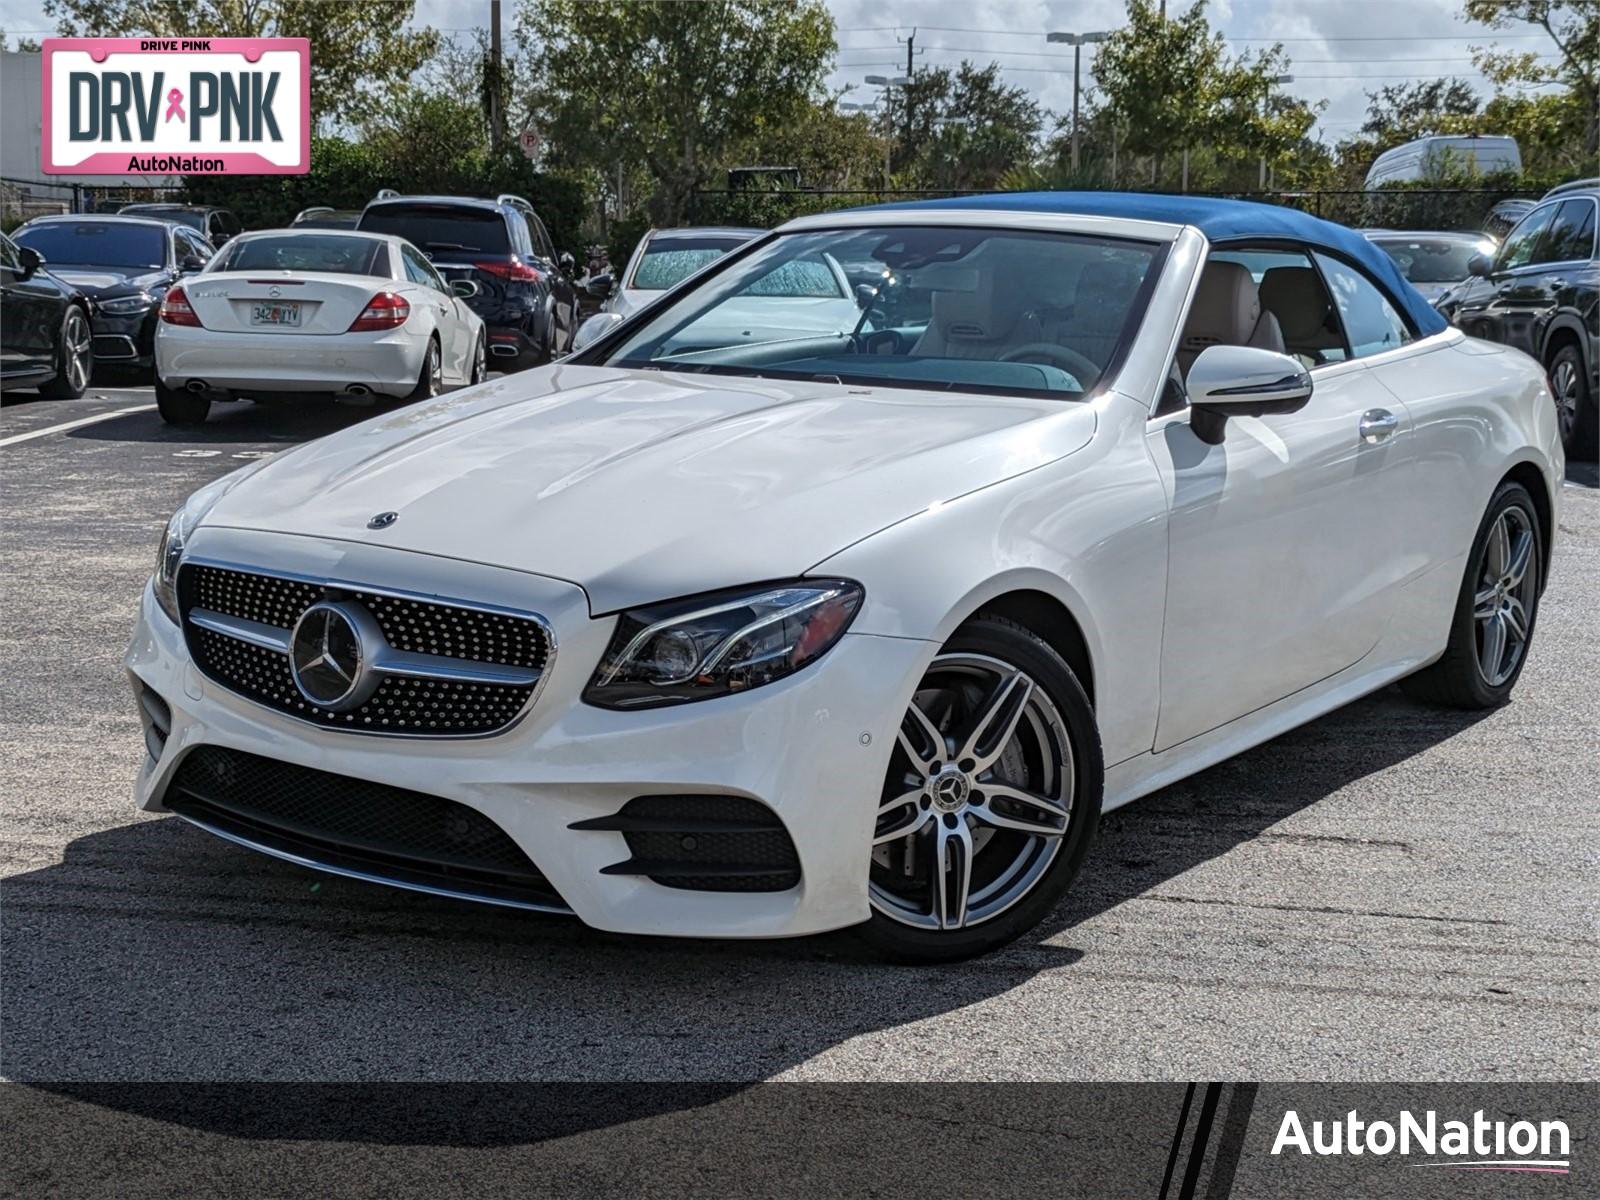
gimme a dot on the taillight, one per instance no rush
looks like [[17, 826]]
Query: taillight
[[512, 268], [175, 309], [384, 311]]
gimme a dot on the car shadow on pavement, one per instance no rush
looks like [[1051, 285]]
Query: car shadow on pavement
[[156, 952], [237, 422]]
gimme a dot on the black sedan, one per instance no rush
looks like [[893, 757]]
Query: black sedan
[[44, 327], [125, 265]]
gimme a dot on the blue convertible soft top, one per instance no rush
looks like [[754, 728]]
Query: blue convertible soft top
[[1220, 221]]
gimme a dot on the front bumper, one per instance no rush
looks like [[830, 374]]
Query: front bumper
[[814, 747], [126, 340]]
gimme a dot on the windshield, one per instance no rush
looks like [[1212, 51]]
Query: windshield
[[986, 310], [1434, 259], [184, 216], [121, 246], [324, 253], [667, 262], [433, 228]]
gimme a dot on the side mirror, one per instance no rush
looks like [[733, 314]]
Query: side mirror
[[190, 265], [865, 295], [595, 328], [567, 263], [31, 261], [1242, 381], [599, 286], [1480, 264], [465, 288]]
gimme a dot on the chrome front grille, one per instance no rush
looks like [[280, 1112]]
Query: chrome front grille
[[441, 669]]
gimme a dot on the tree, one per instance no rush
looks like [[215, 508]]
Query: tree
[[1401, 112], [361, 50], [671, 86], [833, 150], [24, 45], [1574, 27], [960, 129]]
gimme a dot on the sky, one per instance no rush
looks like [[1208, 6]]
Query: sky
[[1338, 49]]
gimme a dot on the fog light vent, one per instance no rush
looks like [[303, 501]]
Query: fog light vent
[[703, 843]]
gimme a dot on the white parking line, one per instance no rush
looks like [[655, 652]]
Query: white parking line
[[66, 425]]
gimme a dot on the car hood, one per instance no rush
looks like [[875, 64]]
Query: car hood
[[103, 282], [644, 485]]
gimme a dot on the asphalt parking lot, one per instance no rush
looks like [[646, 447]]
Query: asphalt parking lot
[[1392, 893]]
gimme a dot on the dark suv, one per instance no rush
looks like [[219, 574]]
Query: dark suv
[[526, 296], [1541, 293], [216, 225]]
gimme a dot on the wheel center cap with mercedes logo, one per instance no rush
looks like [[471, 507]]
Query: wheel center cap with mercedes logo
[[331, 653]]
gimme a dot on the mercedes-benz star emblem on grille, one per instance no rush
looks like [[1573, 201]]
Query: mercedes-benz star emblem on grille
[[383, 520], [331, 653]]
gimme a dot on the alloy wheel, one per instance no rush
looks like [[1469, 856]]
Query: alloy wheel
[[480, 364], [1565, 384], [78, 348], [435, 370], [978, 797], [1502, 606]]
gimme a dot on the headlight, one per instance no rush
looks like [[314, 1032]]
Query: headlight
[[174, 540], [720, 643], [126, 306]]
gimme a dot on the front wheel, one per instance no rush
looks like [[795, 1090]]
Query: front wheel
[[991, 800], [74, 358], [1495, 610]]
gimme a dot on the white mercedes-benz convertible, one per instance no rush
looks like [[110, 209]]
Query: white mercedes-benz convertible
[[706, 634]]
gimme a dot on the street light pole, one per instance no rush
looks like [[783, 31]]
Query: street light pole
[[1266, 99], [1077, 41], [888, 83]]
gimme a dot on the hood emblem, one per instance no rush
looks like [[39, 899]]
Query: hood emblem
[[383, 520]]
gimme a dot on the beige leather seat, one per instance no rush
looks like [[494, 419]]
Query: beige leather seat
[[1227, 311], [1297, 298], [983, 323]]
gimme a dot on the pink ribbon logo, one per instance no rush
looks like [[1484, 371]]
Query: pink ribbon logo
[[175, 105]]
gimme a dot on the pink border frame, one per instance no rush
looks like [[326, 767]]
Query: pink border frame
[[238, 163]]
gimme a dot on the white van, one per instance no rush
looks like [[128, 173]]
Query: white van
[[1430, 157]]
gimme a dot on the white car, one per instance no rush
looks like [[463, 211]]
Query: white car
[[662, 260], [286, 312], [861, 628]]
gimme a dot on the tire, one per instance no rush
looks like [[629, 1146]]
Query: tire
[[480, 363], [1500, 588], [181, 408], [1014, 875], [430, 380], [74, 357], [1577, 407]]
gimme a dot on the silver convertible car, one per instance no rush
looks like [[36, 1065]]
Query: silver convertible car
[[865, 623]]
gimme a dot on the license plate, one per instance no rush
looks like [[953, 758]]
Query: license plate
[[274, 314]]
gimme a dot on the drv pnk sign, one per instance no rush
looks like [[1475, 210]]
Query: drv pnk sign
[[192, 106]]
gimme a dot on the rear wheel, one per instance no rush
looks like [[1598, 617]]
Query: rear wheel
[[480, 362], [74, 357], [1577, 407], [991, 799], [181, 408], [430, 380], [1495, 610]]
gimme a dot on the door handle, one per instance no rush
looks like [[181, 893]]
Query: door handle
[[1377, 424], [1555, 285]]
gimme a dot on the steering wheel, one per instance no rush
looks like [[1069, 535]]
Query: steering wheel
[[1065, 357]]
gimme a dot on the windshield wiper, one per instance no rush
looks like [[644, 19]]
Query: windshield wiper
[[450, 246]]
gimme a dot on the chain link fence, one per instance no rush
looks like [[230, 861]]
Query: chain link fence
[[1408, 208], [23, 199]]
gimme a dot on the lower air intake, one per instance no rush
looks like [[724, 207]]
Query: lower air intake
[[703, 843]]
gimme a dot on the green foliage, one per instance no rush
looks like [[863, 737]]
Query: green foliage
[[361, 50], [832, 149], [959, 129], [673, 87], [1172, 85], [1573, 27]]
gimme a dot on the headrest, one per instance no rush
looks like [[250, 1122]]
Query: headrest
[[1295, 296], [987, 312], [1225, 310]]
